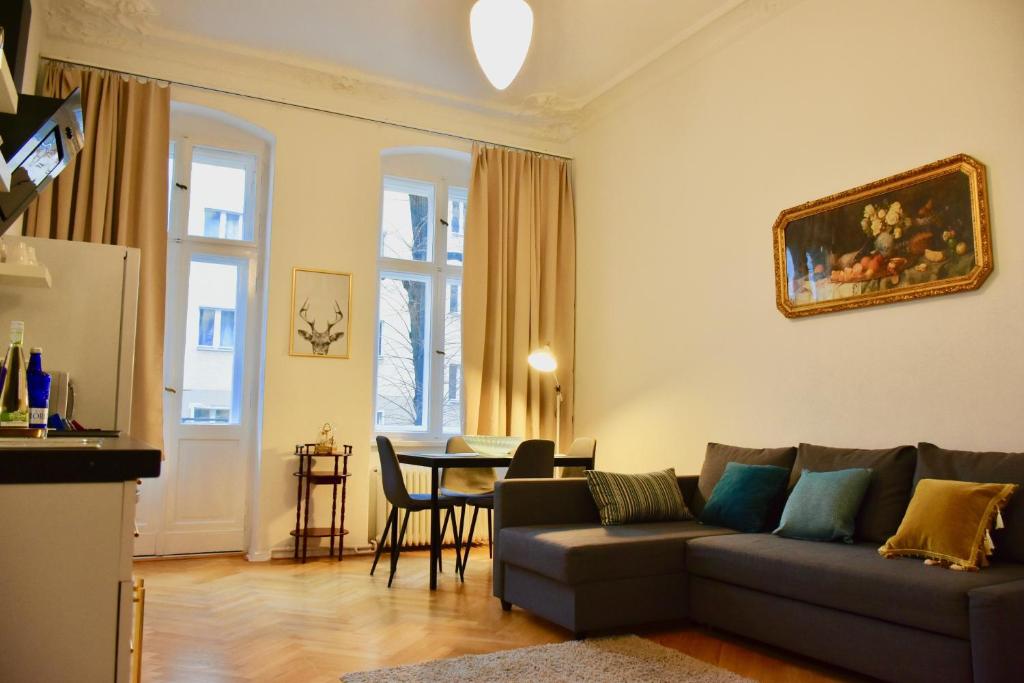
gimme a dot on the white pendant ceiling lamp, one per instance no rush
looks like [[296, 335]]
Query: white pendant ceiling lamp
[[501, 32]]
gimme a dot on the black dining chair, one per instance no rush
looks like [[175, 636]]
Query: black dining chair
[[533, 459], [400, 498]]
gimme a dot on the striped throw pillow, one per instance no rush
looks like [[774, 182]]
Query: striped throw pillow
[[626, 498]]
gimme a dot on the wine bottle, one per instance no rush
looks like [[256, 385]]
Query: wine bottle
[[14, 396], [38, 391]]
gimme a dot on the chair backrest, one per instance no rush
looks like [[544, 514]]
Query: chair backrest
[[492, 445], [391, 474], [534, 458], [457, 444], [584, 446]]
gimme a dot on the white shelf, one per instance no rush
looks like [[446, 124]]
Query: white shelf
[[8, 93], [16, 274]]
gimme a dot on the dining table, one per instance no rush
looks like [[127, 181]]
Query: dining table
[[439, 460]]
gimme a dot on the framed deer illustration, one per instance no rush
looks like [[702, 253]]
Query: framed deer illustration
[[321, 319]]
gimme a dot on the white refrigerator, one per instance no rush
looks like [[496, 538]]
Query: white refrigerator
[[84, 322]]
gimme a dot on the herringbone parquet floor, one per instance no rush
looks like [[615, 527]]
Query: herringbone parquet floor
[[226, 620]]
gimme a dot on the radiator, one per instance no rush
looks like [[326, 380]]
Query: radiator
[[417, 533]]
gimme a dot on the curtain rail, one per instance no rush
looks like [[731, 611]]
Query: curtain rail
[[306, 107]]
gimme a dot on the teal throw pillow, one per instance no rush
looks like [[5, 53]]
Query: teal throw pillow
[[744, 497], [823, 505]]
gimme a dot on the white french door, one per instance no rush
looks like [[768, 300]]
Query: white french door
[[199, 503]]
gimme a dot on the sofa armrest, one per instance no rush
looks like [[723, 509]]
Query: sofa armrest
[[997, 622], [525, 502]]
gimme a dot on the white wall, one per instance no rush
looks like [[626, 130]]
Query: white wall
[[681, 173]]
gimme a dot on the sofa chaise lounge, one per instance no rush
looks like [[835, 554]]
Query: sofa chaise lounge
[[894, 619]]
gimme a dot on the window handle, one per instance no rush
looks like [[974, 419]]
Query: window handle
[[439, 352], [443, 222], [170, 390], [180, 186]]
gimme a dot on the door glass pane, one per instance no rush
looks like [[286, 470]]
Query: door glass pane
[[211, 382], [219, 194], [403, 360], [407, 220], [456, 225], [453, 358]]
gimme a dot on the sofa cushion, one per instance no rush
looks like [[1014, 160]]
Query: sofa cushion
[[745, 497], [947, 522], [985, 468], [892, 474], [824, 505], [718, 455], [631, 498], [852, 578], [580, 553]]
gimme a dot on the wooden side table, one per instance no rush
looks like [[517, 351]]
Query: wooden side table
[[308, 477]]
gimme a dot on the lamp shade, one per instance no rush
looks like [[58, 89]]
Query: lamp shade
[[501, 31], [542, 360]]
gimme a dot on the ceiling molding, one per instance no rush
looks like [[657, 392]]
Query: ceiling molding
[[129, 27], [119, 32]]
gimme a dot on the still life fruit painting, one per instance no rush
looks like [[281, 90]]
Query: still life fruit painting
[[917, 234]]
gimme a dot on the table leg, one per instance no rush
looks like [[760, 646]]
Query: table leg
[[435, 528], [298, 507], [305, 519]]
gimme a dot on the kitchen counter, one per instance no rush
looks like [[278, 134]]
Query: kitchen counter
[[76, 460]]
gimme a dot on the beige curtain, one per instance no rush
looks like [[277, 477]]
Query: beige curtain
[[519, 294], [115, 192]]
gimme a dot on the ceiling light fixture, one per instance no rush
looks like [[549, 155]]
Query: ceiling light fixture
[[501, 31]]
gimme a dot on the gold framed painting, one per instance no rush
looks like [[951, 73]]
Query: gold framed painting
[[917, 234], [321, 313]]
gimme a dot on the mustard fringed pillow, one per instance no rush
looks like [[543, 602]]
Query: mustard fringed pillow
[[948, 522]]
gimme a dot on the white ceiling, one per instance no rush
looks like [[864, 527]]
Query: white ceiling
[[580, 47]]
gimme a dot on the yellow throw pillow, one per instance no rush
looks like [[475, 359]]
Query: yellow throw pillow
[[948, 521]]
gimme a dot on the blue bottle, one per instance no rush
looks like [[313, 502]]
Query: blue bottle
[[38, 391]]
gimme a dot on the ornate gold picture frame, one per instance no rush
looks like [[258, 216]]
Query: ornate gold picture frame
[[321, 318], [920, 233]]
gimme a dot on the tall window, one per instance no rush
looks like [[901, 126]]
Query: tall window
[[419, 364], [211, 224]]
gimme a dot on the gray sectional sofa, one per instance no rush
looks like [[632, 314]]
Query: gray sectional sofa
[[894, 619]]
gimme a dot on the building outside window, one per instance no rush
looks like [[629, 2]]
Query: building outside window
[[216, 328], [222, 224], [211, 413], [419, 339]]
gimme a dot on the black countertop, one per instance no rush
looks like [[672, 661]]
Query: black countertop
[[66, 460]]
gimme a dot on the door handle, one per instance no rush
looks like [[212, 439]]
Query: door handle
[[170, 390]]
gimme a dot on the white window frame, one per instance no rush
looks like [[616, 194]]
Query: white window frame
[[437, 272]]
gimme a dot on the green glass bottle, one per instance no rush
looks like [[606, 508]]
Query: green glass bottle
[[14, 395]]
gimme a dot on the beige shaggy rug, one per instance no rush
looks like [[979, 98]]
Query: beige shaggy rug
[[602, 660]]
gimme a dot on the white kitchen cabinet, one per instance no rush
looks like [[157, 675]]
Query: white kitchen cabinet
[[65, 581]]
